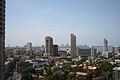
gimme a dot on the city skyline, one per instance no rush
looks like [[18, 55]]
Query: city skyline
[[91, 21]]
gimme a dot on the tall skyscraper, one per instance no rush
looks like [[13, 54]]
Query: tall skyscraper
[[73, 45], [55, 50], [2, 37], [49, 45], [105, 47], [28, 46]]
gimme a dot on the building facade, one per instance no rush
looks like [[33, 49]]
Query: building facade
[[105, 47], [93, 51], [55, 50], [73, 45], [116, 49], [2, 37], [116, 73], [28, 46], [108, 54], [86, 51], [49, 45], [119, 49]]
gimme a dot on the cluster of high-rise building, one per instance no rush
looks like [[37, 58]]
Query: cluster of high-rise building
[[81, 50], [2, 37], [50, 48]]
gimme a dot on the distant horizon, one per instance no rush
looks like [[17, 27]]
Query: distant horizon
[[64, 45], [90, 20]]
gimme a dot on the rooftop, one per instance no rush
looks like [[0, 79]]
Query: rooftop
[[81, 73], [92, 68], [116, 68]]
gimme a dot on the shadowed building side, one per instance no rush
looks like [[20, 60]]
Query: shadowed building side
[[2, 38], [105, 47], [55, 50]]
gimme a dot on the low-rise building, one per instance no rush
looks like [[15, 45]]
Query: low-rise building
[[86, 51], [116, 73], [108, 55]]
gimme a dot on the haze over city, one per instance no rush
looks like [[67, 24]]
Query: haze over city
[[90, 20]]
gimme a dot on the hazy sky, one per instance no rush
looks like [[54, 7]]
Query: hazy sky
[[89, 20]]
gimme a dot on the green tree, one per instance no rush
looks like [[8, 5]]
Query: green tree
[[105, 66], [28, 70], [27, 76], [81, 78], [57, 77], [105, 69], [71, 76], [66, 69], [27, 73]]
